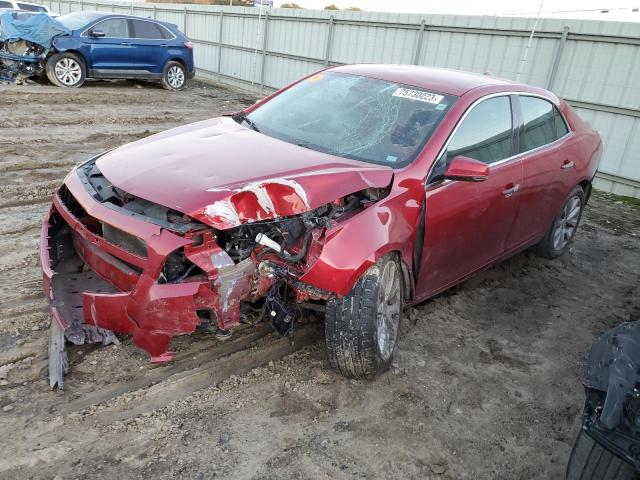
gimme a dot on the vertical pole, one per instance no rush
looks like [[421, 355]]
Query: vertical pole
[[131, 8], [184, 20], [264, 51], [329, 44], [523, 60], [155, 11], [220, 45], [557, 57], [418, 48]]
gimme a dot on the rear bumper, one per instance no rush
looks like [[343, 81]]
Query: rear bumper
[[120, 291]]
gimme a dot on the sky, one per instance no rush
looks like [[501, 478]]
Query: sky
[[473, 7]]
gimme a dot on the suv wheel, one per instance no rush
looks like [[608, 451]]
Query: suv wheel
[[174, 76], [66, 70], [362, 327]]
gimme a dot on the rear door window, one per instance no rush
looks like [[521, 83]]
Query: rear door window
[[542, 123], [148, 30], [6, 5]]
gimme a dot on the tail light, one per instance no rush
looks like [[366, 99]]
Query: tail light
[[188, 44]]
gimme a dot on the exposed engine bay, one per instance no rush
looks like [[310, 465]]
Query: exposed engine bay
[[21, 59], [26, 40]]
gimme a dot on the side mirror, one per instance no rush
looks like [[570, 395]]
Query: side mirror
[[467, 169], [96, 33]]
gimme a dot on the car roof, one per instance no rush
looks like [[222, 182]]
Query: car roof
[[441, 80]]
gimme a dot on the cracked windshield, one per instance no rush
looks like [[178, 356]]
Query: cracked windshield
[[354, 117]]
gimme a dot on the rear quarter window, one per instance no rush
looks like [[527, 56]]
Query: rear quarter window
[[6, 5], [149, 30]]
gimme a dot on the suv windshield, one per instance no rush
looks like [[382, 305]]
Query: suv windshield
[[354, 117], [76, 20]]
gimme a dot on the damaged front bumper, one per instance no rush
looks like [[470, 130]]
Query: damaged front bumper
[[98, 286]]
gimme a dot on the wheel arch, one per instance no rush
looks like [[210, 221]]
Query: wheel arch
[[75, 52], [180, 61], [586, 186], [360, 243]]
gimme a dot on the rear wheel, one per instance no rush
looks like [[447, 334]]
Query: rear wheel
[[174, 76], [66, 70], [362, 327], [591, 461], [560, 235]]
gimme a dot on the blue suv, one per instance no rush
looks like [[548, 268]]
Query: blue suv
[[119, 46]]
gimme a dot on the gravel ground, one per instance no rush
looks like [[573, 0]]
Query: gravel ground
[[487, 382]]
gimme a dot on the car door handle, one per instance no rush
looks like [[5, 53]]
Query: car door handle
[[125, 43], [164, 44], [568, 164], [511, 189]]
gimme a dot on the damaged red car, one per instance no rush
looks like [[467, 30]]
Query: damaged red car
[[357, 191]]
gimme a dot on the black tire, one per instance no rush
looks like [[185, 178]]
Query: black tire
[[355, 334], [549, 247], [66, 70], [591, 461], [174, 76]]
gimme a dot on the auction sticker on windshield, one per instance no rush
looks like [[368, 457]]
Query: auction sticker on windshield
[[418, 95]]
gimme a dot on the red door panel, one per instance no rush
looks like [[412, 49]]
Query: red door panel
[[466, 227], [549, 175], [549, 167]]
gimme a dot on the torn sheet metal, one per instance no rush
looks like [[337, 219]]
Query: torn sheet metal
[[25, 41]]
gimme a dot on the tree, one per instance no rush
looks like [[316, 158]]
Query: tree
[[331, 7], [290, 5]]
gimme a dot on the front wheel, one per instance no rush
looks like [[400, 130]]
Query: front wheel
[[174, 76], [560, 235], [362, 327], [66, 70]]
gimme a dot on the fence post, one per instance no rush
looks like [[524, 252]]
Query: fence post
[[264, 51], [556, 58], [131, 8], [220, 45], [329, 44], [418, 48], [155, 10], [184, 20]]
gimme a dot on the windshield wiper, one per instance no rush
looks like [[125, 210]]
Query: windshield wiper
[[243, 118]]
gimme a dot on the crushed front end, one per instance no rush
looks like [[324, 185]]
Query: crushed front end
[[113, 262], [25, 42]]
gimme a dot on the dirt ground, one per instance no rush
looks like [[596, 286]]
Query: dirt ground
[[486, 385]]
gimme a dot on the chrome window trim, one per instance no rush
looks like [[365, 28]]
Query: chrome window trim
[[508, 159], [129, 38]]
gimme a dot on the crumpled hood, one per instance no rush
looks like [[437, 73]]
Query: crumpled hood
[[224, 174]]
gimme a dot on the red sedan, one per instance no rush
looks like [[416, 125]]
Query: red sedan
[[358, 191]]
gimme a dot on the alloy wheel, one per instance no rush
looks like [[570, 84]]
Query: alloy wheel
[[566, 224], [388, 311], [68, 72], [175, 77]]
